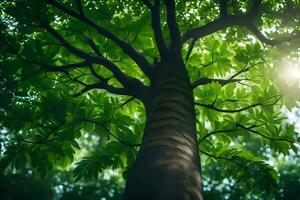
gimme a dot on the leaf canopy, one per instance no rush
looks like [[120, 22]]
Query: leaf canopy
[[65, 102]]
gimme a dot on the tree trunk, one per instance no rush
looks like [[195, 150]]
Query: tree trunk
[[167, 165]]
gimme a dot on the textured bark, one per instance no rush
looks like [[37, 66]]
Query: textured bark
[[167, 165]]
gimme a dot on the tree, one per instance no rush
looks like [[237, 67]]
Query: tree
[[115, 69]]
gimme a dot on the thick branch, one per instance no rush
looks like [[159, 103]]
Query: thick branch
[[128, 82], [247, 20], [76, 51], [132, 86], [264, 39], [256, 6], [93, 46], [172, 24], [79, 6], [156, 27], [210, 28], [148, 4], [140, 60], [63, 69], [95, 74], [103, 84], [223, 8]]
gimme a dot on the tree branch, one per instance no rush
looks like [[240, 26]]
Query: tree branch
[[246, 68], [93, 46], [76, 51], [30, 75], [103, 85], [215, 132], [79, 6], [140, 60], [172, 24], [50, 133], [211, 62], [223, 8], [95, 74], [226, 131], [256, 7], [130, 83], [209, 28], [156, 27], [44, 139], [132, 86], [223, 158], [110, 133], [273, 42], [33, 122], [124, 103], [250, 129], [205, 81], [212, 106], [63, 68], [190, 50], [247, 20]]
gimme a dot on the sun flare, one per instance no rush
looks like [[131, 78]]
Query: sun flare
[[291, 73]]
